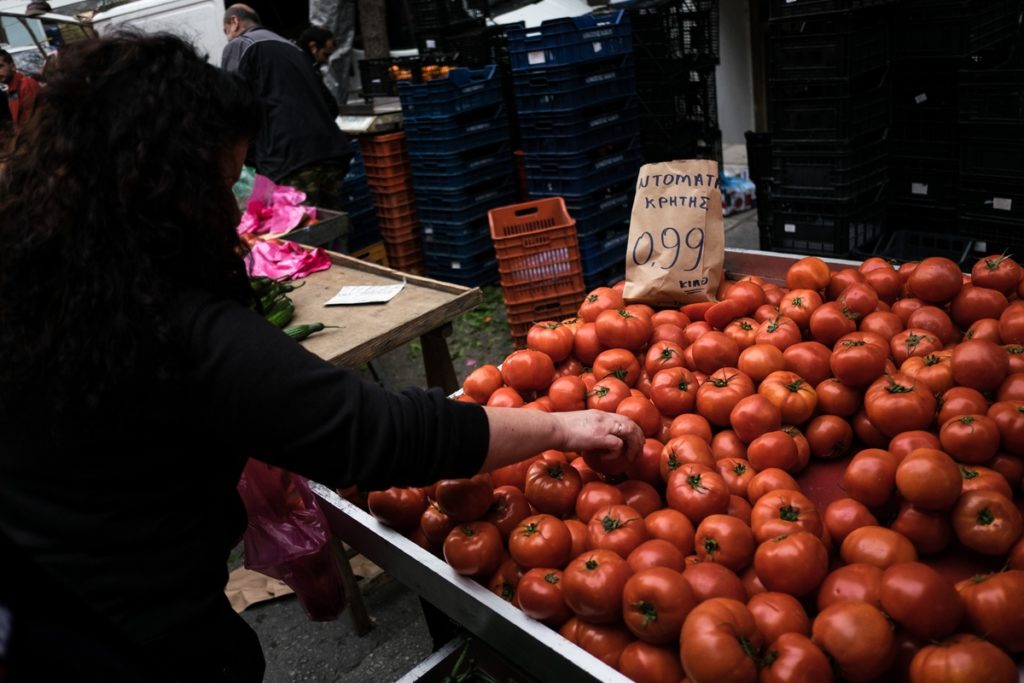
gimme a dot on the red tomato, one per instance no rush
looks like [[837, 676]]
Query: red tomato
[[778, 613], [921, 600], [695, 493], [960, 659], [810, 360], [656, 552], [760, 360], [482, 382], [622, 329], [673, 391], [766, 481], [810, 272], [607, 642], [683, 450], [860, 299], [552, 487], [540, 541], [672, 526], [794, 563], [508, 508], [961, 401], [985, 328], [885, 324], [693, 424], [936, 321], [799, 304], [539, 595], [840, 280], [794, 658], [465, 499], [904, 442], [935, 370], [978, 478], [661, 355], [830, 322], [619, 363], [398, 507], [585, 345], [976, 303], [877, 546], [640, 496], [791, 394], [645, 663], [655, 602], [774, 449], [598, 300], [979, 364], [644, 413], [987, 522], [743, 331], [616, 527], [935, 280], [999, 272], [754, 415], [859, 358], [1009, 419], [720, 393], [897, 403], [1011, 323], [829, 436], [592, 585], [856, 582], [929, 479], [528, 370], [474, 549], [647, 466], [594, 496], [724, 540], [607, 394], [913, 341], [436, 525], [783, 511], [780, 331], [720, 642], [567, 393], [858, 638], [886, 282], [714, 350], [995, 607], [929, 531], [971, 439], [552, 338], [843, 515], [870, 477], [836, 398]]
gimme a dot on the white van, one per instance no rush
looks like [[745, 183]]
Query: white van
[[25, 37]]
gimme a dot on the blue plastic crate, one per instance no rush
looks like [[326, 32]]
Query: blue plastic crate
[[567, 88], [463, 90], [615, 200], [606, 277], [440, 205], [557, 42], [435, 246], [480, 269], [428, 187], [433, 135], [574, 132], [599, 254], [578, 175], [472, 162]]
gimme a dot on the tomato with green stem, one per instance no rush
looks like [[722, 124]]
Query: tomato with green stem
[[592, 585], [655, 603]]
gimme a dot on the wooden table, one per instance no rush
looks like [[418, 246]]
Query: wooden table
[[425, 309]]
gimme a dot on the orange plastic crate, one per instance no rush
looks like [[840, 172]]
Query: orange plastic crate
[[556, 308], [388, 167], [535, 243], [403, 249], [378, 145], [391, 200], [397, 214]]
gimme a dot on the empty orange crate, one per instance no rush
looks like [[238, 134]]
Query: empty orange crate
[[402, 212], [557, 309], [387, 167], [394, 199], [536, 244], [403, 249]]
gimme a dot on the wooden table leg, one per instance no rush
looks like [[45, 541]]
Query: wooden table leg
[[356, 606], [438, 361]]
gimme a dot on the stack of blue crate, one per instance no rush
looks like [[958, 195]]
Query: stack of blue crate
[[363, 229], [457, 133], [575, 92]]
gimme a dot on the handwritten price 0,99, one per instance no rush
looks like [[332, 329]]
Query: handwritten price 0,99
[[671, 247]]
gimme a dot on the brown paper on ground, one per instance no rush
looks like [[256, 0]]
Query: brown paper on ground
[[246, 587], [676, 247]]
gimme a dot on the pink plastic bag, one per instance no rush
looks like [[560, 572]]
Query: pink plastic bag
[[288, 538]]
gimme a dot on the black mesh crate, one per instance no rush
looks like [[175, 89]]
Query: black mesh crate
[[380, 77], [689, 97], [829, 46], [992, 151], [759, 155], [993, 96], [826, 227], [683, 31], [923, 182], [919, 88], [951, 29], [827, 168], [784, 9], [986, 198], [705, 144], [901, 246], [993, 236], [830, 109], [931, 135]]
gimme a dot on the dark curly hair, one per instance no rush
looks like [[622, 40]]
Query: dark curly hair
[[113, 200]]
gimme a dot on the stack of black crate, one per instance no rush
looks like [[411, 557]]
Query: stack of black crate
[[932, 42], [990, 205], [829, 114], [675, 46]]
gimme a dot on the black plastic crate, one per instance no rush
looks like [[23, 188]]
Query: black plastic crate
[[901, 246], [784, 9], [993, 96], [923, 182], [826, 227], [935, 136], [759, 155], [380, 77], [951, 29], [920, 88], [991, 199], [829, 109], [683, 31], [828, 46], [690, 95], [992, 151], [435, 14], [993, 236], [579, 131], [915, 218], [705, 145], [824, 169]]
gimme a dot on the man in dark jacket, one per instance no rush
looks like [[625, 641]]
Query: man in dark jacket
[[300, 144]]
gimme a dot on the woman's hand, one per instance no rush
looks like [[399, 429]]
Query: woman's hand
[[601, 433]]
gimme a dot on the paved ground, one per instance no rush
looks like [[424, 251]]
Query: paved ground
[[300, 650]]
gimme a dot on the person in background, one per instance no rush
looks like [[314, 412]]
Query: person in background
[[21, 89], [338, 17], [299, 143], [138, 376], [319, 44]]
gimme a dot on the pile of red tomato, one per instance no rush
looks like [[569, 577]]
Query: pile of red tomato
[[826, 491]]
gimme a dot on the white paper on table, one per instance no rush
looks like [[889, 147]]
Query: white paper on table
[[365, 294]]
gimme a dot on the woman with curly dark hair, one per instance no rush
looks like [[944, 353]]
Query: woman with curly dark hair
[[135, 374]]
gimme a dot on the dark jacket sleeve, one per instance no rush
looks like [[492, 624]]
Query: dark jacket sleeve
[[266, 395]]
